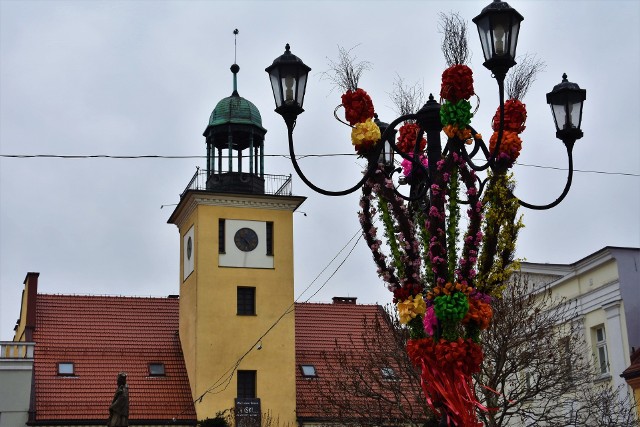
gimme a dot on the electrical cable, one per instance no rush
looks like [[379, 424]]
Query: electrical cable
[[300, 157]]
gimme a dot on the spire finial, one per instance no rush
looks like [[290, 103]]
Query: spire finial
[[235, 68], [235, 45]]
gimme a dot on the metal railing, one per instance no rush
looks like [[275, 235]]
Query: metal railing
[[277, 185]]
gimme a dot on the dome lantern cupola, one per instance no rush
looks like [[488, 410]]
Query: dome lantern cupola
[[235, 142]]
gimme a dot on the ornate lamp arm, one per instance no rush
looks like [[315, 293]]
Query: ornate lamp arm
[[479, 143], [569, 146], [371, 168]]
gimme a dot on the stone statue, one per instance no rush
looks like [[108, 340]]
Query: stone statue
[[119, 409]]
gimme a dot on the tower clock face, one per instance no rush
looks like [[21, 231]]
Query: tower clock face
[[246, 239], [189, 248]]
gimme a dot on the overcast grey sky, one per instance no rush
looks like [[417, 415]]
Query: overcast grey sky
[[142, 77]]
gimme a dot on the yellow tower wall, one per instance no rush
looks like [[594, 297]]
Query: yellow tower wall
[[214, 338]]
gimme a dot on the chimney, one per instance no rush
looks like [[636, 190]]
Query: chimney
[[29, 296], [344, 300]]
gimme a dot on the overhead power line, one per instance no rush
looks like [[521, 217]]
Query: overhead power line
[[286, 156]]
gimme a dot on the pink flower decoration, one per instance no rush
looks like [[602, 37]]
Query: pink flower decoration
[[430, 321], [406, 164]]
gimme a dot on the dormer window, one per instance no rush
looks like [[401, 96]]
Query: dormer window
[[156, 370], [308, 371], [388, 374], [66, 369]]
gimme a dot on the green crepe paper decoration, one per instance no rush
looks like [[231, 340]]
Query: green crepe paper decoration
[[451, 307], [458, 114], [416, 328], [450, 330]]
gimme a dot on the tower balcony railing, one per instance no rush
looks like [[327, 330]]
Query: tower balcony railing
[[16, 350], [275, 185]]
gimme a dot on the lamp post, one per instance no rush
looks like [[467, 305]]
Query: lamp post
[[498, 27]]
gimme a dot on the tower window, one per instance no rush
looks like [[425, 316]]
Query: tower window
[[246, 301], [66, 369], [247, 384], [221, 236], [270, 238], [156, 370]]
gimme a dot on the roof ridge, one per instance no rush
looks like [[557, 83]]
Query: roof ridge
[[107, 296], [340, 304]]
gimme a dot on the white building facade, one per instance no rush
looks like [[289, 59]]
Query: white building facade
[[16, 371], [604, 288]]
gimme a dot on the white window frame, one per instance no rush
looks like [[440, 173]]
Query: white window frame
[[602, 354]]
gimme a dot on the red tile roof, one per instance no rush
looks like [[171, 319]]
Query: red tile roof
[[103, 336], [632, 373], [323, 328]]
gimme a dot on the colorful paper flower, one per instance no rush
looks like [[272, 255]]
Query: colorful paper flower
[[480, 313], [515, 115], [463, 134], [358, 106], [364, 136], [451, 307], [457, 83], [407, 136], [410, 308], [458, 113], [510, 147], [407, 165], [430, 321], [407, 291]]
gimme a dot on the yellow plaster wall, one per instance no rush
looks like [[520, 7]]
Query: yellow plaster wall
[[214, 337], [19, 333], [189, 306], [588, 281]]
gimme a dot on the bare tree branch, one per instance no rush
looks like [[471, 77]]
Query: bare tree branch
[[522, 76], [373, 382], [536, 369], [454, 42], [406, 99], [345, 72]]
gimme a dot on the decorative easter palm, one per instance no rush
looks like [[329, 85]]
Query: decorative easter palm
[[443, 292]]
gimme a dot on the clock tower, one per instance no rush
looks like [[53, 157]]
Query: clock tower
[[236, 271]]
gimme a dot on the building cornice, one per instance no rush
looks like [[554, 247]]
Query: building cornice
[[194, 198], [569, 271]]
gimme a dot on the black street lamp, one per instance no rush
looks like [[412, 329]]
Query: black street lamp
[[386, 156], [288, 76], [566, 101], [498, 27]]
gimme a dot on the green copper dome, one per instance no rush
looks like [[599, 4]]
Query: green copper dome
[[235, 123], [235, 110]]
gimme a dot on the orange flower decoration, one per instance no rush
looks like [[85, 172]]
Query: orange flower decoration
[[462, 134], [509, 147], [479, 313], [448, 289]]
